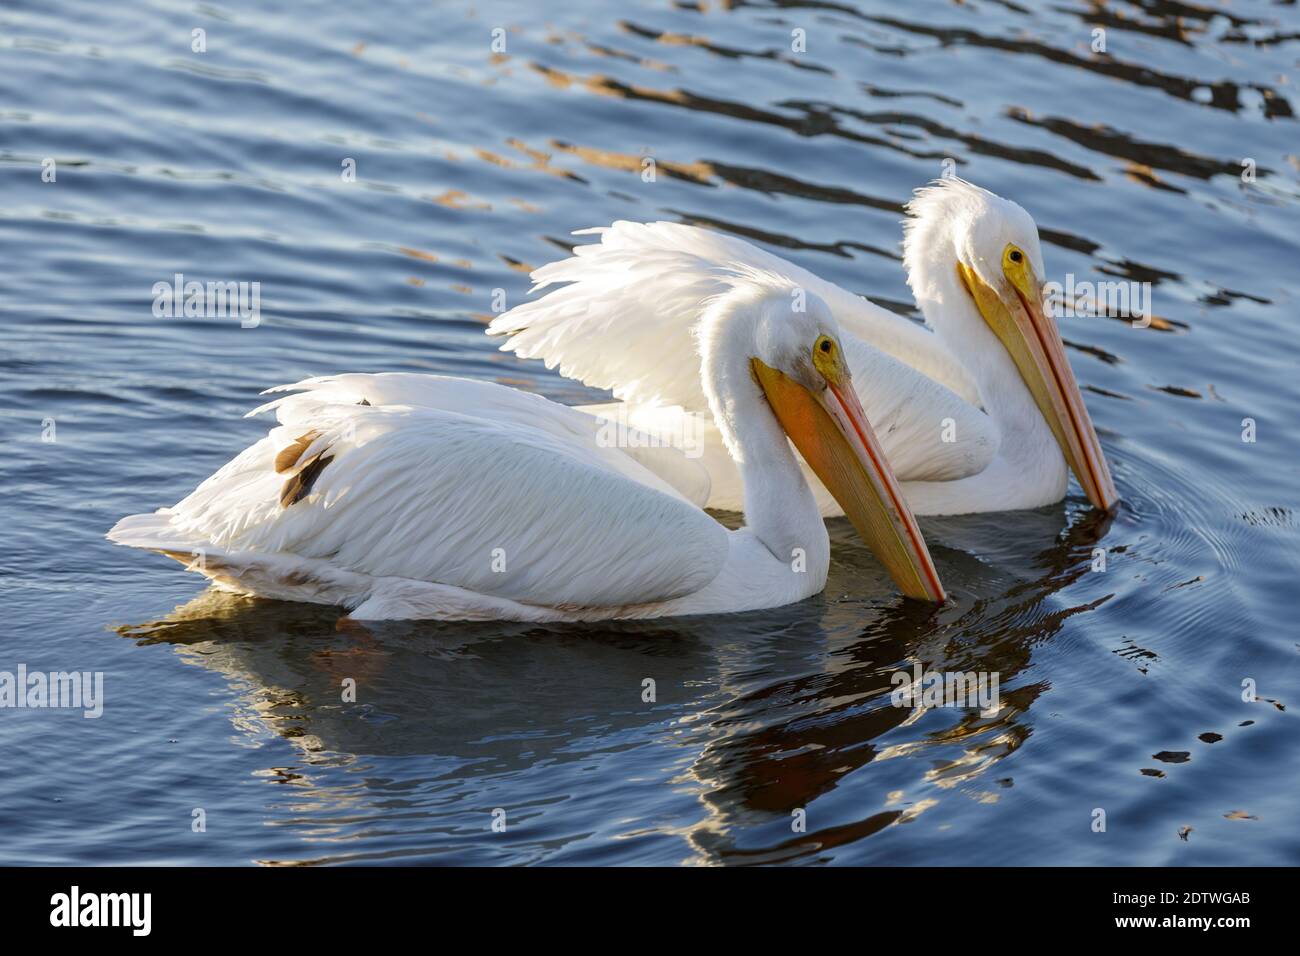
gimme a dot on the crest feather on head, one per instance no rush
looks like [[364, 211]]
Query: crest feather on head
[[951, 219]]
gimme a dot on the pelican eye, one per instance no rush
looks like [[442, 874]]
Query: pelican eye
[[826, 359], [1016, 255]]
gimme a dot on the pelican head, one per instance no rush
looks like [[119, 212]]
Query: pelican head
[[966, 244], [792, 344]]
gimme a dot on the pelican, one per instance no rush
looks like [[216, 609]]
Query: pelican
[[419, 496], [981, 412]]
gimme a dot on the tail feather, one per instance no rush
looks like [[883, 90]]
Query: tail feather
[[153, 532], [285, 577]]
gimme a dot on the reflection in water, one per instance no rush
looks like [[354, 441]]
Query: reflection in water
[[1223, 94], [767, 713]]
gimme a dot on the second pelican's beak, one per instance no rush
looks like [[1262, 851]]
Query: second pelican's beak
[[832, 433], [1016, 316]]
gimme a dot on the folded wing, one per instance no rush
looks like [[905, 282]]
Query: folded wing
[[454, 482], [625, 322]]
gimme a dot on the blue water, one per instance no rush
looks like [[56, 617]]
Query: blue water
[[473, 167]]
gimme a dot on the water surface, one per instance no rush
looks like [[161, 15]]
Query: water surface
[[1121, 690]]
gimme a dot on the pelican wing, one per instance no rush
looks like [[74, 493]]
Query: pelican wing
[[454, 482], [676, 469], [626, 321]]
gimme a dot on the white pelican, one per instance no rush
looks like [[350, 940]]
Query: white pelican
[[421, 496], [980, 414]]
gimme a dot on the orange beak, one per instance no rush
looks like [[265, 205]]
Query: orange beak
[[831, 431], [1017, 317]]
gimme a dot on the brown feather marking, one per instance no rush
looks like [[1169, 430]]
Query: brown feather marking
[[363, 402], [299, 486], [192, 561], [289, 455]]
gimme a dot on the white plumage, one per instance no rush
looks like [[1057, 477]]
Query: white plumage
[[960, 428], [628, 320], [442, 481], [417, 496]]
